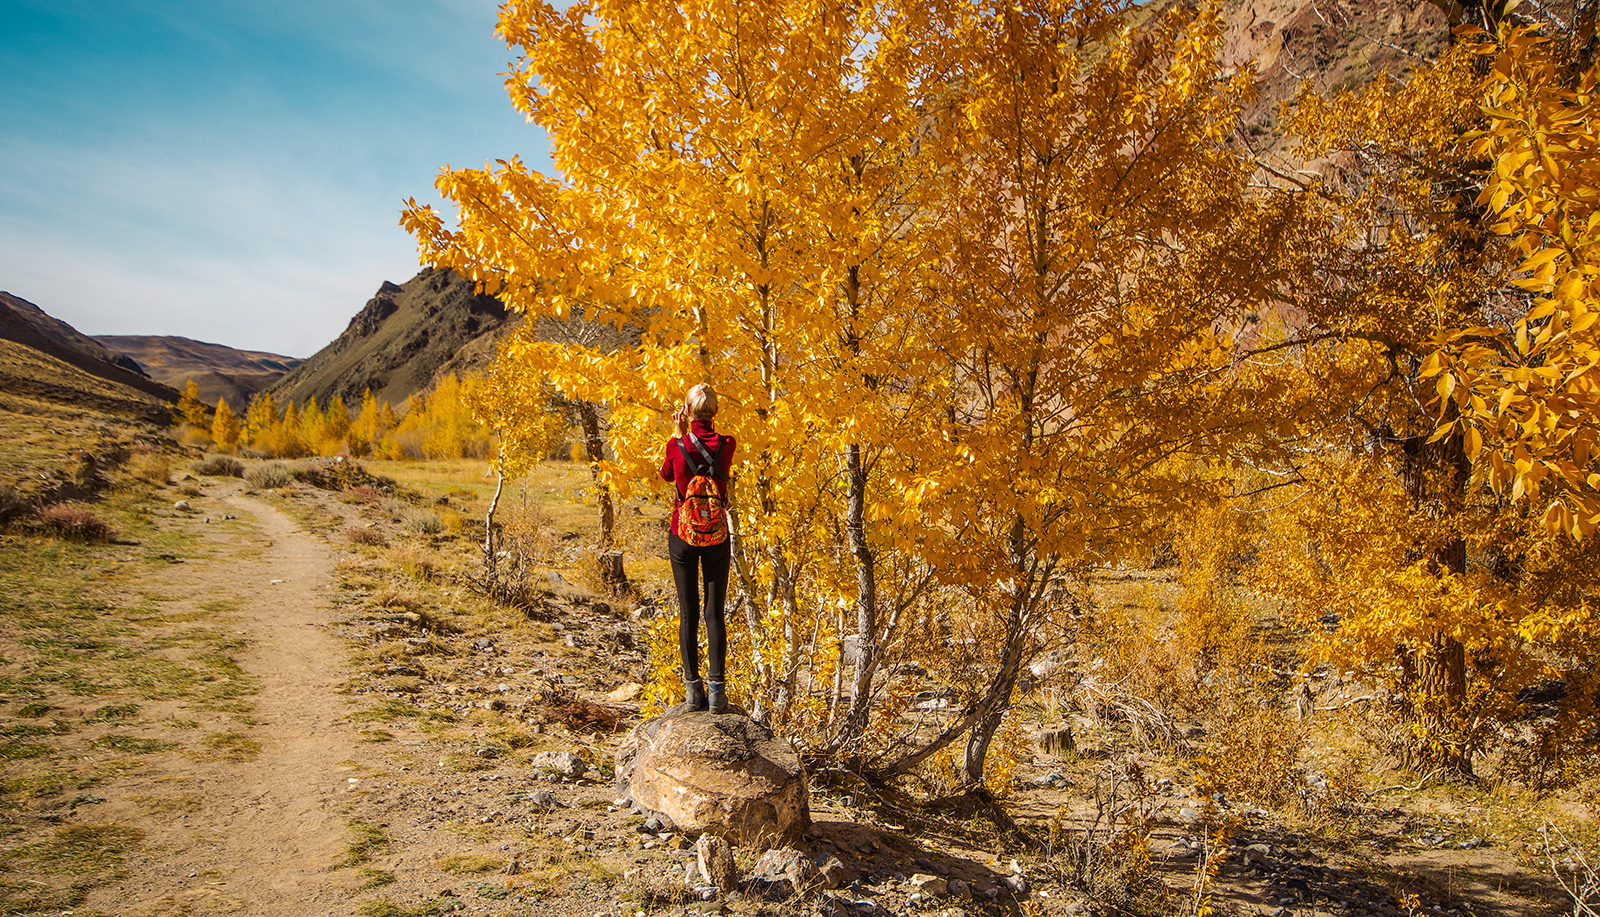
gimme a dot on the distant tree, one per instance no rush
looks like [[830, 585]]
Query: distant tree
[[259, 419], [190, 409], [225, 427]]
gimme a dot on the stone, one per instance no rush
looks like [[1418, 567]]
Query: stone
[[834, 905], [830, 872], [786, 864], [1017, 885], [724, 774], [1256, 854], [625, 693], [715, 857], [929, 886], [561, 763], [543, 799], [181, 506]]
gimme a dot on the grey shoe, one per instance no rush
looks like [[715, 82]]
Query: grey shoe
[[694, 694], [716, 696]]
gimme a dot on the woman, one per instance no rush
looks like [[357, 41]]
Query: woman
[[697, 463]]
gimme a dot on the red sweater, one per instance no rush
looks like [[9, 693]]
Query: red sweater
[[676, 468]]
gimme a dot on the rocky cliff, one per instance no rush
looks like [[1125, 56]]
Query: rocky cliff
[[401, 340]]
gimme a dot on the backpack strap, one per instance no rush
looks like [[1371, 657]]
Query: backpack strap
[[710, 460]]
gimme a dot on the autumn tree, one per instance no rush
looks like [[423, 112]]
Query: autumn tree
[[190, 409], [1426, 371], [225, 427], [1097, 236], [703, 152], [259, 419]]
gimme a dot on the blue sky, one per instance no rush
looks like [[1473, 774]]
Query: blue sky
[[233, 171]]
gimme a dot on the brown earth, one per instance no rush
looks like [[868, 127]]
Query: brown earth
[[394, 773]]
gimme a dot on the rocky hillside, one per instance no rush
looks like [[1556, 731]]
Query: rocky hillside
[[401, 340], [48, 361], [1332, 44], [218, 370]]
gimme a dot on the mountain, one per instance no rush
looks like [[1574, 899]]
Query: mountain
[[217, 370], [48, 362], [404, 337], [1331, 44]]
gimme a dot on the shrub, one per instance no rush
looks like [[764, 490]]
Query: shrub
[[150, 466], [367, 534], [254, 454], [267, 476], [360, 494], [74, 524], [422, 521], [13, 506], [219, 466]]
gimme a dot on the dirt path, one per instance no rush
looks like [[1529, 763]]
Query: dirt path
[[259, 837]]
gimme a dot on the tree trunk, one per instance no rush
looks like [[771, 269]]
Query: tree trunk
[[855, 720], [1434, 675], [491, 573], [594, 446], [998, 698]]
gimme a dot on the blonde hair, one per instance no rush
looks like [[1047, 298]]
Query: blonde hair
[[701, 401]]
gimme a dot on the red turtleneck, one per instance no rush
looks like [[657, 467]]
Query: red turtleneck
[[676, 469]]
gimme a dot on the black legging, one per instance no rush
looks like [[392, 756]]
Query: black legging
[[689, 565]]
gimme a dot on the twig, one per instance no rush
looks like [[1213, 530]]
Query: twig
[[1409, 789]]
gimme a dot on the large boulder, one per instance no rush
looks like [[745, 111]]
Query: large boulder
[[722, 774]]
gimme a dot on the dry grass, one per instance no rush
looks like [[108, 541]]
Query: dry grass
[[219, 466], [73, 523], [267, 476], [151, 467]]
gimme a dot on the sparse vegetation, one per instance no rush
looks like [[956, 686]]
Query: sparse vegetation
[[267, 476], [369, 535], [74, 523], [151, 467], [219, 466]]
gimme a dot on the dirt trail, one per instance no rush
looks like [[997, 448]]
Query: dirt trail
[[264, 832]]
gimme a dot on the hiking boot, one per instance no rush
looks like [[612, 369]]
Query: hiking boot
[[716, 695], [694, 694]]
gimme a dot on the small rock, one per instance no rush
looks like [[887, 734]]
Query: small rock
[[929, 886], [562, 763], [625, 693], [830, 872], [544, 799], [786, 863], [482, 645], [1256, 854], [1190, 813], [181, 506], [715, 858], [1075, 908], [960, 889], [1017, 885]]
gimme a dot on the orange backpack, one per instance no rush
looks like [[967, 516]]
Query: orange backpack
[[701, 520]]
